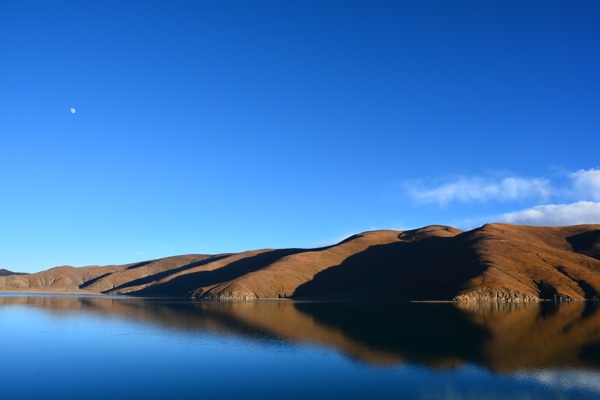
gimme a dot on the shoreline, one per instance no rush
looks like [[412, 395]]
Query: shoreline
[[7, 293]]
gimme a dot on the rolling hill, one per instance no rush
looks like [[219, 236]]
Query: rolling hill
[[496, 262]]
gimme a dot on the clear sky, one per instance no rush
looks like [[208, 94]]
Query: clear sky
[[132, 130]]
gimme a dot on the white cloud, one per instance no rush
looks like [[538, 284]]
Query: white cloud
[[576, 201], [582, 212], [479, 189], [587, 183]]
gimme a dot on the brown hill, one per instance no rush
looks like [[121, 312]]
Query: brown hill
[[497, 262]]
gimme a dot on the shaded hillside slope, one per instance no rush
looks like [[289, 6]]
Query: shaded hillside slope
[[497, 262], [502, 262], [536, 262]]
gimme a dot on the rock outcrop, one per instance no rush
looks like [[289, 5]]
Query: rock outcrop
[[497, 296]]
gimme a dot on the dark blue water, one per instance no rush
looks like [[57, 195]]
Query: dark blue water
[[98, 348]]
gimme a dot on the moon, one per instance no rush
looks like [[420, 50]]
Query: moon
[[73, 110]]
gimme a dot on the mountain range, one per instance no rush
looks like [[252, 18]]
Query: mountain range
[[496, 262]]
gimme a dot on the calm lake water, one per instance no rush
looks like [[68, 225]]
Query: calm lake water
[[96, 348]]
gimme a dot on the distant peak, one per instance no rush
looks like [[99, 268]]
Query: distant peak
[[429, 231], [5, 272]]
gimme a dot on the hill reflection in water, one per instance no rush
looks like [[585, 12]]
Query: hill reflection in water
[[499, 337]]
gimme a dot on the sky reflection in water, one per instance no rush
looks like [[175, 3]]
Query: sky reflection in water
[[89, 347]]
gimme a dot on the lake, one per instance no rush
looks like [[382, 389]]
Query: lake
[[73, 347]]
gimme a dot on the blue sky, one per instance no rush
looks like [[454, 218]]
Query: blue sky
[[223, 126]]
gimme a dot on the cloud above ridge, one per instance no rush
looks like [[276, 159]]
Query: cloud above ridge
[[574, 198], [476, 189], [581, 212]]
